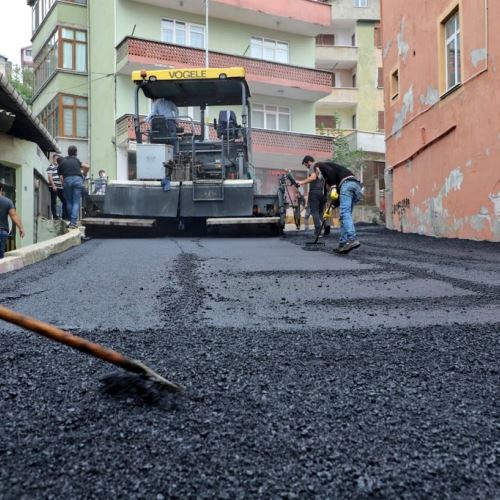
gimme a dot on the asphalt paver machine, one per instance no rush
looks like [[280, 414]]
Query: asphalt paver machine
[[193, 172]]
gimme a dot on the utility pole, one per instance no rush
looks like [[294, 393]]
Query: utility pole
[[206, 34]]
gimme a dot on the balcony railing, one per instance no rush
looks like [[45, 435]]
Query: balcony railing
[[272, 142], [265, 76]]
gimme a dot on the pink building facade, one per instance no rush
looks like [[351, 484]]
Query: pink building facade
[[442, 122]]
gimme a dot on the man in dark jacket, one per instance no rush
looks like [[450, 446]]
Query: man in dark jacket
[[7, 210], [70, 171], [341, 179]]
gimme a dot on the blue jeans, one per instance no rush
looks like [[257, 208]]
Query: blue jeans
[[72, 193], [350, 194], [4, 236]]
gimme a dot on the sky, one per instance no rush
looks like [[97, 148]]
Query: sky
[[15, 28]]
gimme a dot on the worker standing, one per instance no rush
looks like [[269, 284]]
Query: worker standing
[[317, 196], [56, 189], [341, 179], [7, 210], [71, 171]]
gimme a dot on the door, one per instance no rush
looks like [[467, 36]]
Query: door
[[8, 179]]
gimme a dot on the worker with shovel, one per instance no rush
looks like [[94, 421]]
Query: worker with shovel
[[341, 179]]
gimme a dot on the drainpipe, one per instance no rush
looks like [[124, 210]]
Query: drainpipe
[[89, 87], [389, 197]]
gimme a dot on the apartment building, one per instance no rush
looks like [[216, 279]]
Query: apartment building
[[85, 50], [24, 148], [5, 66], [27, 57], [351, 50], [443, 127]]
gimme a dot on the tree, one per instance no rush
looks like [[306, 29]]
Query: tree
[[343, 154], [22, 81]]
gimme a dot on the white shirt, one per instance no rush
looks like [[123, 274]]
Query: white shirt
[[163, 107]]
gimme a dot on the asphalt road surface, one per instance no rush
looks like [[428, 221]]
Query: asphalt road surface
[[307, 374]]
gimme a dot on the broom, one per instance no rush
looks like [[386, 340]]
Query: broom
[[114, 383]]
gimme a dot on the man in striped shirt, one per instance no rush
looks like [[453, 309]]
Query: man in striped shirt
[[56, 188]]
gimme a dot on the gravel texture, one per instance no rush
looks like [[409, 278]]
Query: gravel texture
[[308, 375]]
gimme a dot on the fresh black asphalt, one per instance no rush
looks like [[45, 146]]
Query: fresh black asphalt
[[307, 374]]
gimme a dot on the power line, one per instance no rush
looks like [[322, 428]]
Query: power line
[[58, 91]]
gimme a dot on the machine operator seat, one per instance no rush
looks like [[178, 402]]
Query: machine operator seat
[[227, 126], [163, 131]]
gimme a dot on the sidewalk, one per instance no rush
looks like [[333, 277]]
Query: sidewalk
[[30, 254]]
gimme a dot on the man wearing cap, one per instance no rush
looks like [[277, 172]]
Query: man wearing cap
[[341, 179], [317, 197]]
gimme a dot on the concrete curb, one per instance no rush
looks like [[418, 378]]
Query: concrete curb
[[39, 251]]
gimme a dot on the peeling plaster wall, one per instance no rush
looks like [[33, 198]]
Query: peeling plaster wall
[[444, 147]]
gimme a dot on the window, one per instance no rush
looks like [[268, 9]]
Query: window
[[41, 8], [49, 116], [182, 33], [65, 49], [354, 121], [46, 61], [325, 122], [325, 40], [381, 121], [74, 116], [271, 117], [66, 116], [193, 112], [74, 49], [380, 80], [354, 80], [360, 3], [353, 40], [269, 50], [394, 84], [452, 51], [334, 80]]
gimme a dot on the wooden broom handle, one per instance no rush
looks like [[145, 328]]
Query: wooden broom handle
[[71, 340]]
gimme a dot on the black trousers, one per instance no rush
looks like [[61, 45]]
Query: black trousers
[[53, 203], [317, 204]]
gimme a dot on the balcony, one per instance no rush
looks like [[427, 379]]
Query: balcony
[[370, 142], [303, 17], [271, 148], [264, 77], [336, 57], [340, 97], [343, 10]]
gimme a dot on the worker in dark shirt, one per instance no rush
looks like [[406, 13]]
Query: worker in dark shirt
[[342, 180], [71, 171], [7, 210], [317, 197]]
